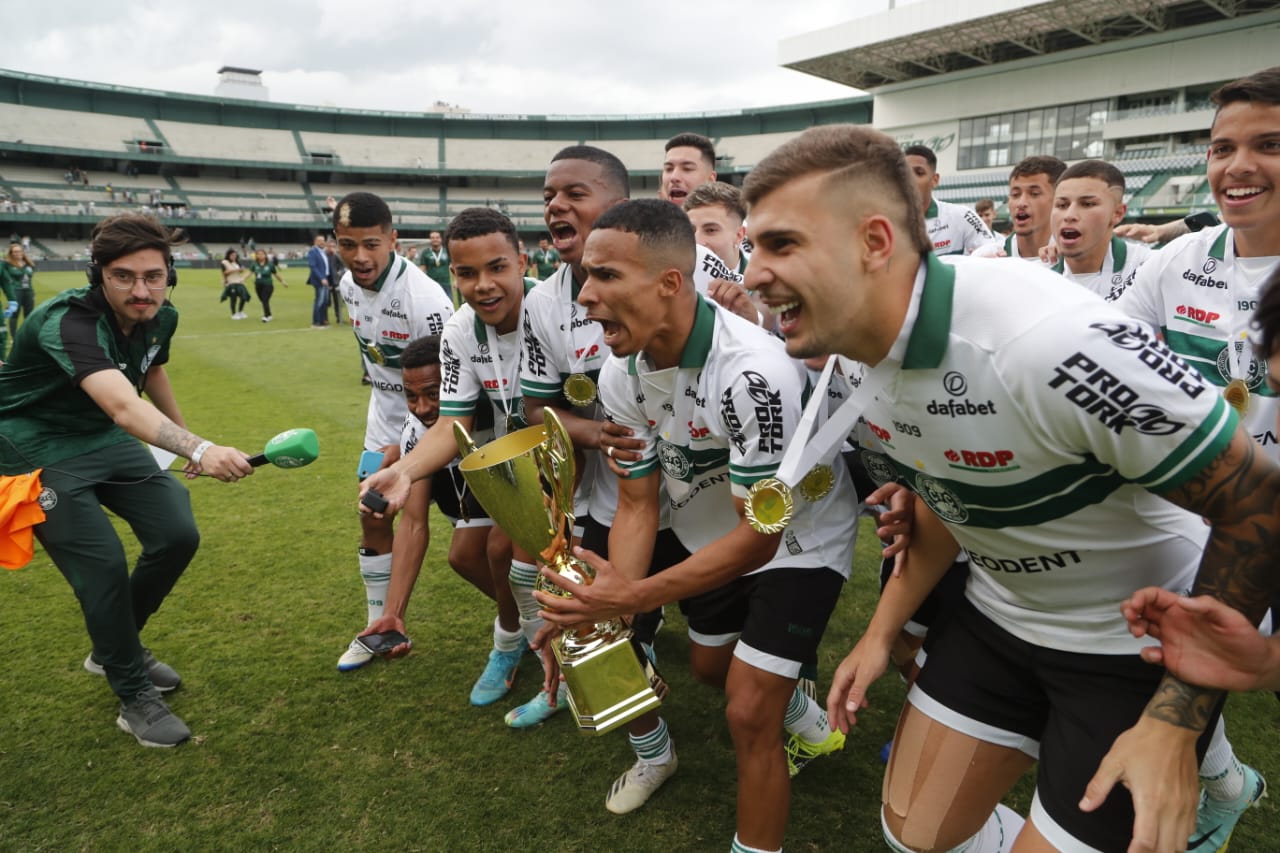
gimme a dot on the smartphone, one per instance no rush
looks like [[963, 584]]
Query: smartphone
[[380, 644], [370, 461]]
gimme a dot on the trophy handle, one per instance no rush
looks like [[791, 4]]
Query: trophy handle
[[466, 446]]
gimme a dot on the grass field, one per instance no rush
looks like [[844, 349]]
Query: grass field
[[289, 754]]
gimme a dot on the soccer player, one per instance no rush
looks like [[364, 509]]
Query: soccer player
[[986, 210], [1031, 205], [690, 162], [71, 404], [434, 261], [479, 359], [954, 229], [1021, 413], [1201, 639], [718, 215], [1200, 292], [714, 400], [544, 261], [390, 302], [1088, 203]]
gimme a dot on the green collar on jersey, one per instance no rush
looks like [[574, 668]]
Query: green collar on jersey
[[382, 279], [933, 209], [742, 262], [1009, 247], [1119, 254], [928, 341], [481, 334], [698, 346], [1218, 250]]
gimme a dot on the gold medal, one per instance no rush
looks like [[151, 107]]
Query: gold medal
[[579, 389], [818, 483], [375, 354], [769, 506], [1237, 394]]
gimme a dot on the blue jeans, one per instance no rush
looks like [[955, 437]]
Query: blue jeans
[[320, 310]]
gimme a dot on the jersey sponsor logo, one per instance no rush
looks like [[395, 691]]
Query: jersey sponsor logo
[[700, 402], [981, 460], [1257, 369], [1210, 264], [1025, 565], [793, 548], [1198, 316], [955, 384], [697, 432], [435, 324], [1249, 305], [941, 500], [941, 244], [450, 368], [729, 417], [587, 352], [704, 483], [878, 467], [673, 460], [394, 314], [1155, 355], [1113, 403], [881, 434], [395, 336], [768, 412], [1266, 438], [395, 387], [578, 323], [492, 384], [1205, 280], [152, 352], [535, 357], [716, 268]]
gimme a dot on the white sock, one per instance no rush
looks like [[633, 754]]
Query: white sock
[[806, 718], [655, 746], [996, 836], [1220, 772], [375, 571], [739, 847], [504, 640], [522, 578]]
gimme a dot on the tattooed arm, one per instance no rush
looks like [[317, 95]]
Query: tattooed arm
[[1239, 494]]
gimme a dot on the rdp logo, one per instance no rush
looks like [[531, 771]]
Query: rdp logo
[[1198, 314], [879, 432], [590, 351], [980, 458]]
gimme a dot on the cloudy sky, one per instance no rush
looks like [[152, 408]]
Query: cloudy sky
[[570, 56]]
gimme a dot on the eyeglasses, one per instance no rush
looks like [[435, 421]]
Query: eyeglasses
[[124, 280]]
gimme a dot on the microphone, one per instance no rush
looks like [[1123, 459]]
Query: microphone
[[292, 448]]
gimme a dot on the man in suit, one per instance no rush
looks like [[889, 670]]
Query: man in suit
[[319, 278]]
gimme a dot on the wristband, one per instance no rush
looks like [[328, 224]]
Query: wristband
[[198, 453]]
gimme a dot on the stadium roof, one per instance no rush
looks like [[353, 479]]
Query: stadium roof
[[935, 37]]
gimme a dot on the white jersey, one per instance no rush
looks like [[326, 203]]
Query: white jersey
[[955, 229], [403, 305], [1118, 269], [1201, 297], [559, 341], [1011, 249], [717, 423], [476, 362], [1033, 419]]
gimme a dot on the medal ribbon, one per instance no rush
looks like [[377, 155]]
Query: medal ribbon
[[803, 452]]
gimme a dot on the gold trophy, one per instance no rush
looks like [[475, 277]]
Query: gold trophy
[[524, 480]]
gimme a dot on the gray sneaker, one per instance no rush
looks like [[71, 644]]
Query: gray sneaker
[[150, 721], [164, 677]]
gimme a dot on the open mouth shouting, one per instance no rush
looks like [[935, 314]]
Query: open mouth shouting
[[563, 236]]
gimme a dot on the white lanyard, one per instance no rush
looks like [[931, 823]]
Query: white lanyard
[[495, 358], [803, 452]]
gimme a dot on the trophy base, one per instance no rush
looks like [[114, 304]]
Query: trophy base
[[607, 686]]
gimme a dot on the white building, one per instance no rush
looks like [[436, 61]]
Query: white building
[[985, 83]]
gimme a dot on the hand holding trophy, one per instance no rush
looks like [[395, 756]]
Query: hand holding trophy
[[524, 480]]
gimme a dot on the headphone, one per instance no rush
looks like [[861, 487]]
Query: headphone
[[93, 272]]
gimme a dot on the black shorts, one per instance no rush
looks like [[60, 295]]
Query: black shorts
[[446, 486], [943, 600], [776, 616], [667, 551], [1066, 708]]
